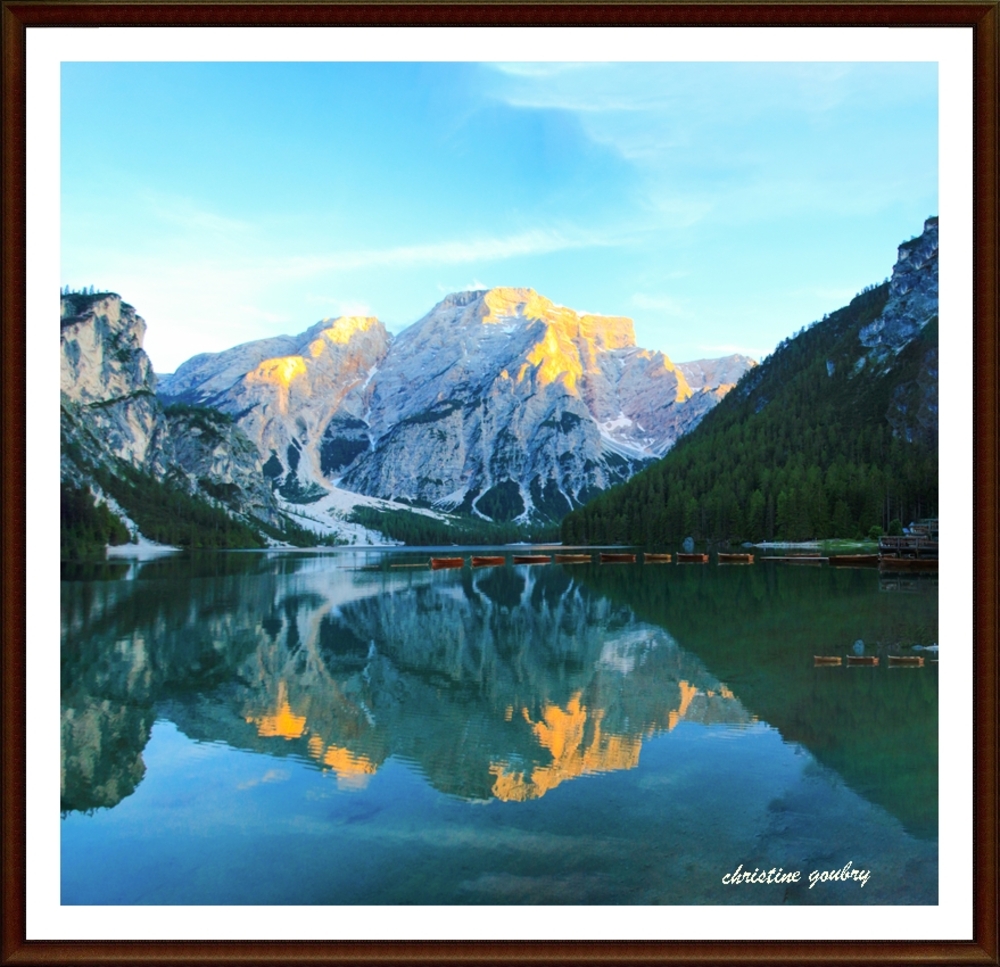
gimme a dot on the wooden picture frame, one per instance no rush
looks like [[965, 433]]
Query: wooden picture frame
[[984, 20]]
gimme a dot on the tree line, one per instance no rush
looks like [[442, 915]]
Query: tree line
[[802, 448]]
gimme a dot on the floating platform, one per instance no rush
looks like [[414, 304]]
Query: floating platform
[[617, 558], [657, 558], [574, 559], [532, 559], [735, 558], [496, 561], [440, 563], [862, 660], [692, 558]]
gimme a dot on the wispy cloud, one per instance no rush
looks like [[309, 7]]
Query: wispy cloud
[[664, 303], [449, 252], [184, 213]]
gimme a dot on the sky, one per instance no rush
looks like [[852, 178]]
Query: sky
[[721, 206]]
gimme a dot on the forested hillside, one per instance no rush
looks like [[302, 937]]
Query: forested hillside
[[828, 437]]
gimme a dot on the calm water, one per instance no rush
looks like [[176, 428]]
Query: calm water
[[297, 728]]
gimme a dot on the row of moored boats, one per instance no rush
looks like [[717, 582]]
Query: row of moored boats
[[498, 560]]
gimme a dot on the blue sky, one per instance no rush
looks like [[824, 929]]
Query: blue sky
[[721, 206]]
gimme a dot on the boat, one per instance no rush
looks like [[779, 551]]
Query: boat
[[438, 563], [827, 660], [916, 552], [726, 558], [692, 558], [617, 558], [799, 559], [862, 659], [915, 661], [532, 559], [854, 560], [908, 563], [574, 559], [489, 561], [657, 558]]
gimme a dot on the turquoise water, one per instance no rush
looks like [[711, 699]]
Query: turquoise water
[[294, 728]]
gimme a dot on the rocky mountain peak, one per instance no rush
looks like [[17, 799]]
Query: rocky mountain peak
[[102, 356], [913, 296], [498, 401]]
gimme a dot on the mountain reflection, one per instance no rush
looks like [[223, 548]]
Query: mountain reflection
[[495, 684]]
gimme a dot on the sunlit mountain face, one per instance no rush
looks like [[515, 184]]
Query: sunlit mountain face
[[497, 400], [531, 691]]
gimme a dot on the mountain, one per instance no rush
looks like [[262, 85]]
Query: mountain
[[131, 468], [497, 403], [833, 434]]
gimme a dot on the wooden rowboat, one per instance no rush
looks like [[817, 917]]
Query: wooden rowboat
[[438, 563], [908, 563], [735, 558], [862, 660], [915, 661], [854, 560], [574, 559], [532, 559], [827, 660], [657, 558], [488, 561], [692, 558], [617, 558]]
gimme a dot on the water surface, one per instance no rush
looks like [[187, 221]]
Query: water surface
[[296, 728]]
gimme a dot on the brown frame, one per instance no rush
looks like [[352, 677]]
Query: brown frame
[[982, 17]]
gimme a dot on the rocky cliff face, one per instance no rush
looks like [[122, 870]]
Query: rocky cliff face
[[111, 416], [109, 379], [907, 326], [913, 296], [497, 402]]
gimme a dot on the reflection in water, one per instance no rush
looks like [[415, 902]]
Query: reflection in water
[[497, 685], [424, 668]]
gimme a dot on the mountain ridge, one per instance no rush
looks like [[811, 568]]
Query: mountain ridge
[[497, 402]]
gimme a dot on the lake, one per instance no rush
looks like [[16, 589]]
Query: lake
[[341, 728]]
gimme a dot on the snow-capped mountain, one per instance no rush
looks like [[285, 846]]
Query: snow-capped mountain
[[497, 402]]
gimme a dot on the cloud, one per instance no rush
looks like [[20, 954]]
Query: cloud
[[184, 213], [450, 252], [665, 303]]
